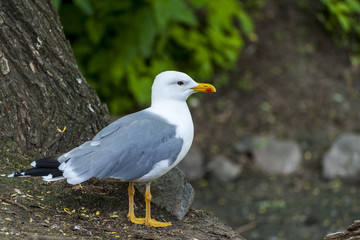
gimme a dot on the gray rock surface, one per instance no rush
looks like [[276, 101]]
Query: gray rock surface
[[222, 168], [343, 158], [193, 164], [171, 192], [276, 156], [244, 145]]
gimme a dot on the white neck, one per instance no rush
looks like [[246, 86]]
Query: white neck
[[174, 111]]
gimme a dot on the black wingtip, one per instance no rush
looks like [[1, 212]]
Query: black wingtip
[[48, 162], [42, 167], [37, 172], [17, 174]]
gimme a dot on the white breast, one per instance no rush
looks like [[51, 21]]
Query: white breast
[[178, 114]]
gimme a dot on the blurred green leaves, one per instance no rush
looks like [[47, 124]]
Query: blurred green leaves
[[85, 6], [342, 19], [122, 45]]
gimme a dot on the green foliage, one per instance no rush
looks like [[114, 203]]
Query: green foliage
[[122, 45], [342, 19]]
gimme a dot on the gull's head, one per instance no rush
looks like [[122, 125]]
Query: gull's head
[[178, 86]]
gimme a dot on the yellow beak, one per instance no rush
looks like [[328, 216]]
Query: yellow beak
[[204, 87]]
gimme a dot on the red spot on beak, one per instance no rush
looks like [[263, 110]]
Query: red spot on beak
[[208, 90]]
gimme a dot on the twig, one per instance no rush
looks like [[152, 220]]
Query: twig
[[15, 203], [255, 223], [247, 227]]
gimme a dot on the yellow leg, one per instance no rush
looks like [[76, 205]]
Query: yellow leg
[[131, 214], [148, 220]]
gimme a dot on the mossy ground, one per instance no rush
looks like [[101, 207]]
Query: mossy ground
[[96, 209]]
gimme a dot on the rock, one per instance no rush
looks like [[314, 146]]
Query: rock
[[224, 169], [274, 156], [244, 145], [343, 158], [193, 165], [171, 192]]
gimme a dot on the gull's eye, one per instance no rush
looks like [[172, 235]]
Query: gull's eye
[[180, 83]]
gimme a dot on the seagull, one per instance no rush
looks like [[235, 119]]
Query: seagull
[[139, 147]]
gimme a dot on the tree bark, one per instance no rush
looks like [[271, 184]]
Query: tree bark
[[42, 91]]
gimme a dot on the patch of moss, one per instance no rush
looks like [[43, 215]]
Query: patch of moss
[[12, 159]]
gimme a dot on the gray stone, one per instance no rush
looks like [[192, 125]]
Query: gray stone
[[193, 165], [222, 168], [276, 156], [244, 145], [171, 192], [343, 158]]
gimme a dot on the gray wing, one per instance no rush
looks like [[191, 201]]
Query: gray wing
[[127, 149]]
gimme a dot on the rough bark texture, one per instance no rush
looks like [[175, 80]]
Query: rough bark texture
[[42, 89], [41, 92], [352, 233]]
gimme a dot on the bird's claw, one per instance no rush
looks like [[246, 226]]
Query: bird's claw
[[150, 222], [154, 223], [135, 220]]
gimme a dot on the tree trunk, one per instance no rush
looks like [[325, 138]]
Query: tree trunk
[[42, 91]]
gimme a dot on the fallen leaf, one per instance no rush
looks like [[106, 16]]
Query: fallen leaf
[[59, 130]]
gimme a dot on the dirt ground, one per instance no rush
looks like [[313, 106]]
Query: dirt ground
[[33, 209], [299, 86]]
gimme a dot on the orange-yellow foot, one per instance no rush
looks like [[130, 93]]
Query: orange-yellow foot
[[154, 223], [135, 220]]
